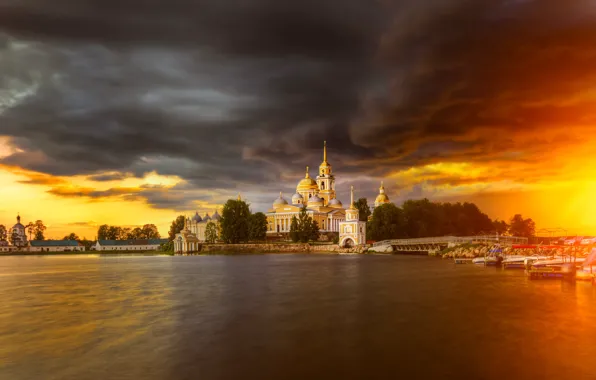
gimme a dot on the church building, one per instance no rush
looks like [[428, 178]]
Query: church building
[[352, 231], [316, 195], [17, 232], [193, 233]]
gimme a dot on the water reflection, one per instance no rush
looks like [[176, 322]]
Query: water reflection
[[287, 316]]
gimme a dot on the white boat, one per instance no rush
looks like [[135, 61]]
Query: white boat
[[514, 261], [557, 260], [489, 260]]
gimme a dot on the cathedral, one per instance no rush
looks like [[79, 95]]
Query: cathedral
[[319, 198], [316, 195]]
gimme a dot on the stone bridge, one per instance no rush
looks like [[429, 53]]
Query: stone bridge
[[438, 243]]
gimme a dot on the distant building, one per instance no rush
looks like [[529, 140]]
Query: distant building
[[129, 245], [193, 233], [17, 232], [55, 246], [317, 196], [352, 231]]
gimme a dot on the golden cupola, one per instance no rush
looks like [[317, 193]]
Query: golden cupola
[[325, 167], [382, 198], [306, 184]]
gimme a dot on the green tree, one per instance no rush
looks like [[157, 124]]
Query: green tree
[[234, 222], [71, 236], [294, 230], [388, 222], [518, 226], [500, 226], [135, 233], [175, 228], [257, 230], [363, 209], [150, 231], [30, 227], [3, 233], [103, 232], [210, 233], [304, 228], [39, 229]]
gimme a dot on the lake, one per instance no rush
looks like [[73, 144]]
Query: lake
[[288, 317]]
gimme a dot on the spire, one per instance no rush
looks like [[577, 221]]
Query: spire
[[18, 217], [280, 195], [239, 197], [382, 188], [351, 196], [324, 151], [307, 175]]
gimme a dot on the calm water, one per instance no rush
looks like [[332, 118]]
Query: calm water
[[288, 317]]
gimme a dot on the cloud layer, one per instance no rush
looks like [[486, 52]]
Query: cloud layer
[[238, 96]]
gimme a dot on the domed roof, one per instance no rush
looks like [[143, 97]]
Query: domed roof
[[197, 218], [216, 216], [280, 201], [206, 217], [315, 200], [382, 197], [297, 196], [18, 225], [307, 183], [335, 203]]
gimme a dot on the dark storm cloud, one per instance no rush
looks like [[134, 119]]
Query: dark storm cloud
[[238, 95]]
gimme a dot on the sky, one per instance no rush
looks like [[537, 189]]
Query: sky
[[127, 112]]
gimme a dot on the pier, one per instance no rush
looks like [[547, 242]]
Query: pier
[[442, 242]]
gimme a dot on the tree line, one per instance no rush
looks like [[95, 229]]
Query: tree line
[[423, 218], [107, 232], [238, 224]]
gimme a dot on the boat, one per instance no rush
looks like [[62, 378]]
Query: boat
[[487, 261], [563, 271], [460, 260], [514, 262]]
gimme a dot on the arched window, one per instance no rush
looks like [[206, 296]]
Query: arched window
[[322, 185]]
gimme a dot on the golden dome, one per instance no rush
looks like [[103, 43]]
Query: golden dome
[[382, 197], [307, 183]]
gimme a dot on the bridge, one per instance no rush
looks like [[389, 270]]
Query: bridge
[[439, 243]]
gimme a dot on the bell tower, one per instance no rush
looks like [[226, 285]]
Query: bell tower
[[325, 179]]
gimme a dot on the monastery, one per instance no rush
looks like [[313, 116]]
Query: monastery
[[316, 195]]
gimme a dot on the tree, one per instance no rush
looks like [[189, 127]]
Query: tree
[[388, 222], [500, 226], [522, 227], [30, 227], [3, 233], [303, 229], [176, 227], [136, 233], [234, 222], [72, 236], [363, 209], [294, 230], [149, 231], [210, 233], [257, 227], [39, 229], [103, 232]]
